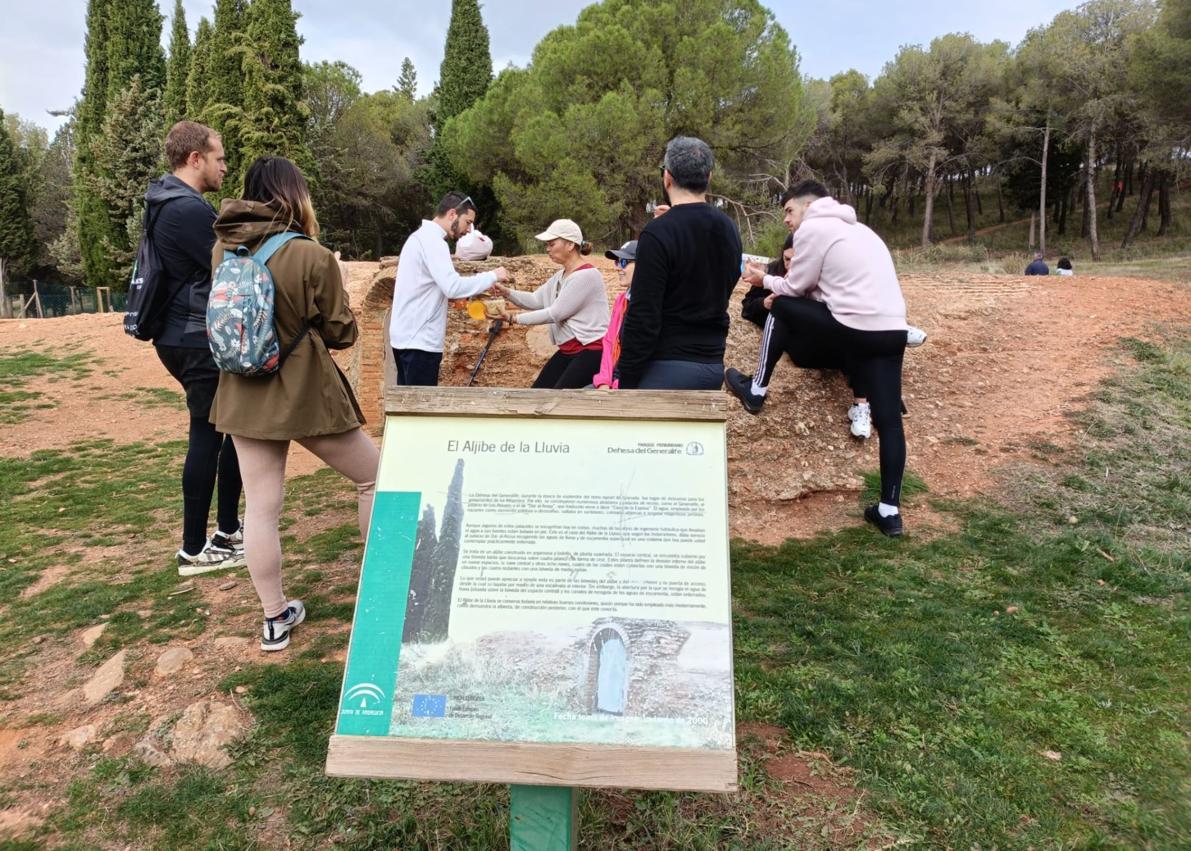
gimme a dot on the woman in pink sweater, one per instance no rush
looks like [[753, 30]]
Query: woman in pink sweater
[[839, 307], [625, 258]]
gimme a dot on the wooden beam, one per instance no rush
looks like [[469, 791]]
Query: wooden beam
[[678, 769], [682, 405]]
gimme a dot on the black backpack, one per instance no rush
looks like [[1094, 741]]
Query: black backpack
[[148, 298]]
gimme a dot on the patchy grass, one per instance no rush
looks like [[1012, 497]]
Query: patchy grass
[[1022, 682], [18, 367]]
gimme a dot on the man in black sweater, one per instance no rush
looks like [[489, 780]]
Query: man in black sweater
[[181, 226], [688, 261]]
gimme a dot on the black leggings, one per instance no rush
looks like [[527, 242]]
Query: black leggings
[[569, 372], [211, 458], [872, 360]]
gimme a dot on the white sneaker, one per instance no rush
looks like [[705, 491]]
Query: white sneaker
[[211, 558], [275, 633], [862, 420], [915, 336]]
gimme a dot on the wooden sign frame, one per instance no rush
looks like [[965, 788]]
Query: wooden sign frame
[[540, 764]]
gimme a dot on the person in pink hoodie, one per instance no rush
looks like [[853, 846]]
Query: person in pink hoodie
[[840, 306], [625, 258]]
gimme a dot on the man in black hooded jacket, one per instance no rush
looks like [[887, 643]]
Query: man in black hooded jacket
[[180, 222]]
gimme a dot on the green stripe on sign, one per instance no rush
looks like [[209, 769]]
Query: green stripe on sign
[[366, 702]]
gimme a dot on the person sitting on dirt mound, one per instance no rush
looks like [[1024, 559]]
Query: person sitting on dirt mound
[[840, 307], [572, 303], [1064, 267], [1038, 266], [688, 262], [625, 259], [426, 279], [755, 310], [307, 399]]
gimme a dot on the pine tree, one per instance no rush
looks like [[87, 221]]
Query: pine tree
[[177, 71], [466, 69], [128, 153], [17, 248], [436, 619], [274, 120], [407, 83], [198, 81]]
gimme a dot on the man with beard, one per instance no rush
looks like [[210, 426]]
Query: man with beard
[[426, 279]]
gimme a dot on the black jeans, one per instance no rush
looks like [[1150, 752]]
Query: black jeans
[[417, 368], [872, 360], [569, 372], [210, 456]]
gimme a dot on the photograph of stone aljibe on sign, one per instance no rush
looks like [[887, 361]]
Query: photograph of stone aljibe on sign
[[598, 679]]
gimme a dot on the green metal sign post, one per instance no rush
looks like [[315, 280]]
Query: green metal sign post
[[543, 818]]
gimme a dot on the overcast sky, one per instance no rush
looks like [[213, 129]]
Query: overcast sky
[[41, 41]]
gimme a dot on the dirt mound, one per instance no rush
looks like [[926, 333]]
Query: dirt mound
[[1006, 360]]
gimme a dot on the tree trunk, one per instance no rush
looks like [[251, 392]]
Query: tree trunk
[[1032, 217], [968, 210], [1164, 213], [1064, 204], [1042, 189], [868, 205], [1093, 231], [928, 216], [1129, 166], [5, 304], [1000, 203], [951, 205], [1137, 225]]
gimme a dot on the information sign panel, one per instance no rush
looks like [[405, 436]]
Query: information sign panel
[[545, 594]]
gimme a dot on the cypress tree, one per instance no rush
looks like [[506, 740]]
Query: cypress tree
[[17, 248], [436, 618], [127, 152], [90, 218], [134, 47], [419, 578], [466, 69], [177, 71], [274, 120], [407, 83], [198, 81], [227, 40]]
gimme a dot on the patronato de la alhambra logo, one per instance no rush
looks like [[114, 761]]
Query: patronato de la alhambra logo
[[369, 695]]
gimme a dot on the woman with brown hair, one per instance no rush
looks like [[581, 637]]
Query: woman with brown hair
[[573, 303], [307, 399]]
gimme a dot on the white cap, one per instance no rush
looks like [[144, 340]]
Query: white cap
[[562, 229]]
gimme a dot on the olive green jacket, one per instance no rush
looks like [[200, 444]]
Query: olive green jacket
[[309, 396]]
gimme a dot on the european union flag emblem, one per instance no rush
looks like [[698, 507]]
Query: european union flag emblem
[[430, 706]]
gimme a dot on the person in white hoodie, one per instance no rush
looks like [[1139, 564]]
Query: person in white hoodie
[[840, 306], [426, 279]]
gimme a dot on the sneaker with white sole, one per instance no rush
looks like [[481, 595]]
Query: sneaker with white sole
[[210, 559], [862, 420], [234, 541], [275, 633], [915, 336]]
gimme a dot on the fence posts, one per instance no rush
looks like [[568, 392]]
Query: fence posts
[[5, 304], [100, 292]]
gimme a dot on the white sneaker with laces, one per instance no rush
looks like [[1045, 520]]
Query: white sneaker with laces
[[915, 336], [275, 633], [862, 420]]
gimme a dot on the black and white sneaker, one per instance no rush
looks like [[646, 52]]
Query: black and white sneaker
[[915, 336], [275, 633], [234, 541], [210, 559], [741, 386], [890, 526]]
